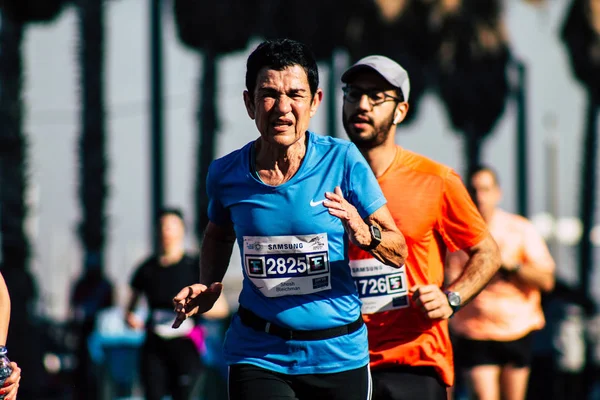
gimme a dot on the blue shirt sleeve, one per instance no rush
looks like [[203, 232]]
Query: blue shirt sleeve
[[217, 213], [364, 191]]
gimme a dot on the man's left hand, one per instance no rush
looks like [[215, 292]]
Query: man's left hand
[[432, 302], [11, 384]]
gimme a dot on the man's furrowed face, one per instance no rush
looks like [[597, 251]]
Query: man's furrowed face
[[282, 104]]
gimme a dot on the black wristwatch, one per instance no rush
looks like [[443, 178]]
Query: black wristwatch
[[454, 301], [375, 237]]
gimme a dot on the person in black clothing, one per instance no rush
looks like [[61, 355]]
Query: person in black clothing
[[170, 361]]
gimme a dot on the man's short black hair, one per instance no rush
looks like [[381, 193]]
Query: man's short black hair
[[176, 211], [279, 54], [482, 168]]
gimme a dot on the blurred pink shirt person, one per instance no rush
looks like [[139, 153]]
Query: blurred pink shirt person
[[507, 309], [492, 334]]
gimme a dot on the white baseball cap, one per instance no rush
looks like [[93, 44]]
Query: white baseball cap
[[389, 69]]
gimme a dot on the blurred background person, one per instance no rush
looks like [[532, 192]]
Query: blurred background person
[[91, 294], [409, 342], [170, 362], [493, 334], [208, 337]]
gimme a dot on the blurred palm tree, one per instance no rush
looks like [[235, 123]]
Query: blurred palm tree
[[13, 144], [473, 56], [14, 15], [401, 30], [24, 11], [92, 291], [213, 28], [581, 35], [457, 46], [322, 25], [92, 147], [24, 338]]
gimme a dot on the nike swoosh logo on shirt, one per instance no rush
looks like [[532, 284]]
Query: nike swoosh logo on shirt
[[316, 203]]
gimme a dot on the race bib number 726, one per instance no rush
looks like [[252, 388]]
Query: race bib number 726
[[379, 286]]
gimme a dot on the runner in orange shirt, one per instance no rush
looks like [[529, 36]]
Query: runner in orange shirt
[[493, 334], [406, 310]]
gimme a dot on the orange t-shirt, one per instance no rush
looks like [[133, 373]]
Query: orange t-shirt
[[506, 309], [433, 210]]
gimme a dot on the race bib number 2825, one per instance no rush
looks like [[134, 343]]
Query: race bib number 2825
[[288, 265]]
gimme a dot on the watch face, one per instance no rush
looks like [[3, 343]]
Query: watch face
[[454, 299], [376, 232]]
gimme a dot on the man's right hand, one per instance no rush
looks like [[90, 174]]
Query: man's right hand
[[195, 299], [133, 321]]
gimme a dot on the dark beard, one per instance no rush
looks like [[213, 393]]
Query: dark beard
[[381, 133]]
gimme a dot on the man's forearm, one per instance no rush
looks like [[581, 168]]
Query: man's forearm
[[215, 254], [484, 262], [392, 250], [4, 311], [543, 280], [133, 300], [4, 321]]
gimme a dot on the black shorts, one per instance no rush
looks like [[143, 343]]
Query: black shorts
[[470, 353], [404, 382], [249, 382]]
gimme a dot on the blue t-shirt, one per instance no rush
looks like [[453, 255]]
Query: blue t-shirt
[[294, 255]]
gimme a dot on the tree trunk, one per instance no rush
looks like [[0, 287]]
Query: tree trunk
[[92, 292], [24, 337], [208, 126], [472, 148], [521, 140], [93, 188], [13, 147], [588, 192], [588, 197], [157, 120], [331, 97]]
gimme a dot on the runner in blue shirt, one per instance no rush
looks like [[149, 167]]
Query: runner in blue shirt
[[293, 200]]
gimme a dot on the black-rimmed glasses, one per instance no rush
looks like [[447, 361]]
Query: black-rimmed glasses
[[376, 97]]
